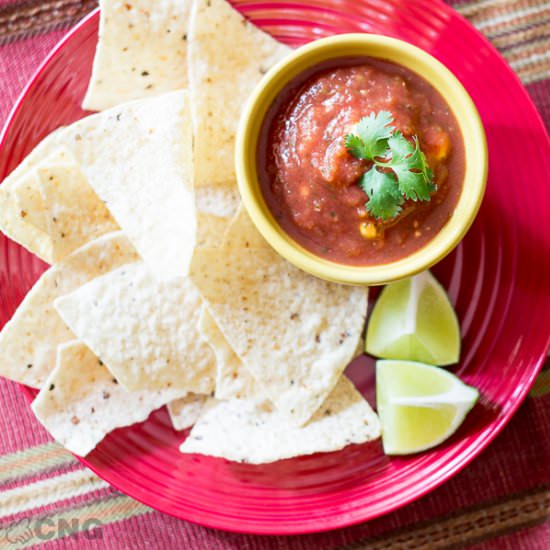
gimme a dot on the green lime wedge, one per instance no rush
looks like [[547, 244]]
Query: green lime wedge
[[419, 405], [415, 321]]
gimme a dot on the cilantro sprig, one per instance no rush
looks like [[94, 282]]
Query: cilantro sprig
[[399, 168]]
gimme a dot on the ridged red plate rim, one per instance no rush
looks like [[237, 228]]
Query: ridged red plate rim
[[498, 278]]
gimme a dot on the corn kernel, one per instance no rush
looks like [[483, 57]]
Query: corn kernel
[[368, 230]]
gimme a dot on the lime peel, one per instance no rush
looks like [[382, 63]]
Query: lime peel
[[414, 320], [414, 414]]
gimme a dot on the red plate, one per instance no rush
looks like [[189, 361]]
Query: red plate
[[499, 279]]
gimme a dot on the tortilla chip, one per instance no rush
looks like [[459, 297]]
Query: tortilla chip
[[138, 159], [49, 145], [253, 431], [210, 230], [218, 200], [141, 52], [14, 226], [215, 204], [28, 342], [228, 56], [13, 221], [184, 412], [242, 232], [29, 200], [144, 330], [28, 189], [232, 379], [81, 402], [294, 333], [75, 214]]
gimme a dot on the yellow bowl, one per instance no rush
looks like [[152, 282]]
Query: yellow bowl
[[399, 52]]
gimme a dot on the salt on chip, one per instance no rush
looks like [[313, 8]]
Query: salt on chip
[[81, 402], [75, 215], [28, 342], [294, 333], [232, 379], [253, 431], [185, 411], [141, 51], [143, 329], [228, 56]]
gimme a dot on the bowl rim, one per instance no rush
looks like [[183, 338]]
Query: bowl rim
[[412, 58]]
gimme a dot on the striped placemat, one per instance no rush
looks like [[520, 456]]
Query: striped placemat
[[49, 500]]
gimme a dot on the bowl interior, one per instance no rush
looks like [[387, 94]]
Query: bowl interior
[[388, 49]]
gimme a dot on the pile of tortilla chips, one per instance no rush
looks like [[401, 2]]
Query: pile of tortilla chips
[[160, 290]]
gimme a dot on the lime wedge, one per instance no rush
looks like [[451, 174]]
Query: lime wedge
[[415, 321], [419, 405]]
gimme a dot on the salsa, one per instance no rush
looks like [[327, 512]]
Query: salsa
[[310, 180]]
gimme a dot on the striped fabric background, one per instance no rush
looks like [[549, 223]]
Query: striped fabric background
[[502, 500]]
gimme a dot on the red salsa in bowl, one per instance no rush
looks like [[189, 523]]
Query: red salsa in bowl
[[310, 179]]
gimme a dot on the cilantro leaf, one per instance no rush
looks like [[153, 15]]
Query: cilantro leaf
[[372, 133], [409, 165], [399, 168], [385, 199], [412, 184], [355, 145], [400, 147]]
